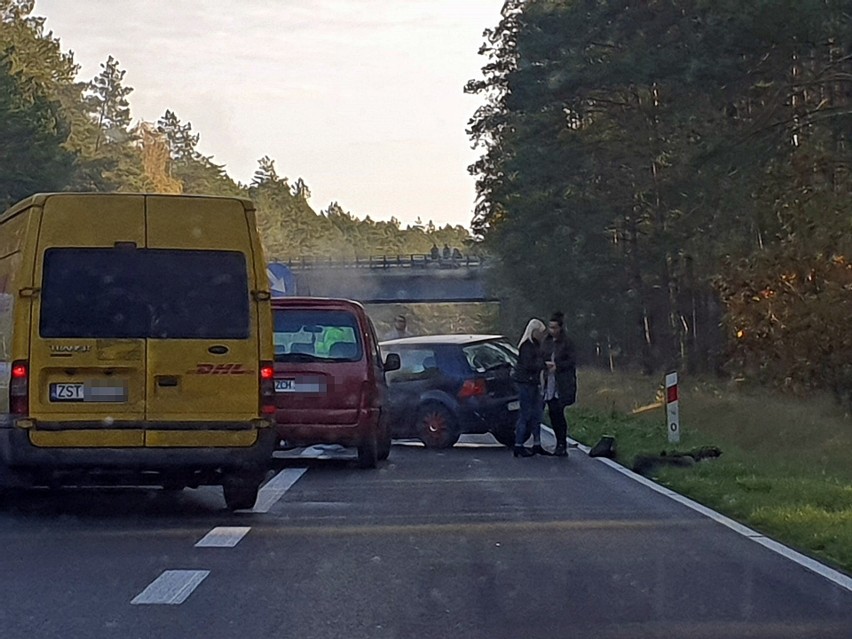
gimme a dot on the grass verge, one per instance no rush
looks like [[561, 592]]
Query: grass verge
[[784, 470]]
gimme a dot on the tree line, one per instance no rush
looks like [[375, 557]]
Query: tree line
[[58, 133], [675, 175]]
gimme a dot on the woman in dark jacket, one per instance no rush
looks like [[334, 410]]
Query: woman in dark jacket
[[560, 387], [527, 377]]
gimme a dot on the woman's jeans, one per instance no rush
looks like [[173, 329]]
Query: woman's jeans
[[531, 413]]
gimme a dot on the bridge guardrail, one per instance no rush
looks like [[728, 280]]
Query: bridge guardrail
[[411, 260]]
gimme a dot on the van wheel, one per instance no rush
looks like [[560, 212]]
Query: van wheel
[[436, 426], [505, 435], [240, 492], [368, 452], [385, 441]]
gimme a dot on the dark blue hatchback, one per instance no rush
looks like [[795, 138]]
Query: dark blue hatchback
[[452, 384]]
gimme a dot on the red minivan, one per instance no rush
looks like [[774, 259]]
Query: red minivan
[[329, 377]]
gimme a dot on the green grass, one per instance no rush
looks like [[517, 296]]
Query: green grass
[[785, 468]]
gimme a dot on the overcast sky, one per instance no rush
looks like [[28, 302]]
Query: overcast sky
[[361, 98]]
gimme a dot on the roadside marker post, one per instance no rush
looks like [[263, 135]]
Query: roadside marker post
[[672, 412]]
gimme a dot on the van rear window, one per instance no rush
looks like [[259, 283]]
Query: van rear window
[[316, 335], [144, 293]]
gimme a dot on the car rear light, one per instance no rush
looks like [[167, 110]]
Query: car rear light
[[267, 388], [19, 389], [473, 388]]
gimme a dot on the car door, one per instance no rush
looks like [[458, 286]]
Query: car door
[[418, 375], [87, 347], [203, 355]]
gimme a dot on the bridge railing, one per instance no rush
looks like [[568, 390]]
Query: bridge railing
[[410, 260]]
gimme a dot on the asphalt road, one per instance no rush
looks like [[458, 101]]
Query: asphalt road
[[464, 543]]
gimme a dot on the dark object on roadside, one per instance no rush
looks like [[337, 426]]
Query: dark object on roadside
[[452, 384], [646, 464], [604, 448]]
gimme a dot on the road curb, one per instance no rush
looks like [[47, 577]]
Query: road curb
[[832, 575]]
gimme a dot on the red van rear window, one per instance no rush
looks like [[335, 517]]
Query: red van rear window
[[316, 335]]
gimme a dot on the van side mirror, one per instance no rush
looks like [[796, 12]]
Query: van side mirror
[[392, 363]]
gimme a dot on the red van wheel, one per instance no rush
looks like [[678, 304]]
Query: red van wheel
[[436, 427]]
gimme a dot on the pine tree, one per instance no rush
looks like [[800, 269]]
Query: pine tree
[[108, 104]]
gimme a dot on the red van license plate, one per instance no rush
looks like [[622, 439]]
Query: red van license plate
[[285, 385], [300, 385]]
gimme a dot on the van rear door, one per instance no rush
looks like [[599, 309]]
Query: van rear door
[[320, 371], [202, 359], [87, 346]]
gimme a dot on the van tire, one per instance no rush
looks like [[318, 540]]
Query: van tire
[[436, 426], [385, 441], [368, 452], [240, 492]]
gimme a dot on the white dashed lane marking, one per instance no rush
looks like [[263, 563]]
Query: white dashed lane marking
[[223, 537], [171, 588], [275, 489]]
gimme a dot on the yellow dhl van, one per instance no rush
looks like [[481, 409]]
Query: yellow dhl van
[[135, 343]]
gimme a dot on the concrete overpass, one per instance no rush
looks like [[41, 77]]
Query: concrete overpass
[[395, 279]]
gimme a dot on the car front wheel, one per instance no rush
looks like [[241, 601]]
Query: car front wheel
[[436, 426]]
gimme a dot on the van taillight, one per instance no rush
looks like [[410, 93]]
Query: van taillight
[[19, 389], [267, 388], [473, 388]]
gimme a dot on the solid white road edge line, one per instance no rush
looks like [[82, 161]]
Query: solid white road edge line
[[171, 588], [223, 537], [834, 576], [275, 488]]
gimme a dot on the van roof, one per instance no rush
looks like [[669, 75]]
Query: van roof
[[39, 199], [315, 302], [462, 339]]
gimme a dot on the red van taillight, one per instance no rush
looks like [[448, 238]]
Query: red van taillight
[[19, 389], [267, 388], [473, 388]]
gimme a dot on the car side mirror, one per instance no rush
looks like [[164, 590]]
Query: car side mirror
[[392, 363]]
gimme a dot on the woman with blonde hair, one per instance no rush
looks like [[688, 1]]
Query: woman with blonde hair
[[527, 377]]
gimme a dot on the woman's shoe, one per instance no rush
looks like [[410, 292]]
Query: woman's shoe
[[538, 449], [521, 451], [560, 451]]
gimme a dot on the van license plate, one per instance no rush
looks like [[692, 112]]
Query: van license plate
[[67, 392], [79, 392], [285, 385], [513, 406]]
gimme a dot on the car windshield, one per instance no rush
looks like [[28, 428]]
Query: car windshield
[[316, 335], [142, 293]]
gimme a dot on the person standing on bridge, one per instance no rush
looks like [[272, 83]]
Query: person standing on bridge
[[560, 381], [527, 377], [399, 330]]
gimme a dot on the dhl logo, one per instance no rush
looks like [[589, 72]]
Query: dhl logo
[[221, 369]]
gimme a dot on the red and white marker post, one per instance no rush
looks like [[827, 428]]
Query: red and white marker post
[[672, 413]]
